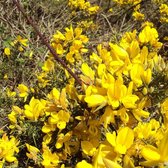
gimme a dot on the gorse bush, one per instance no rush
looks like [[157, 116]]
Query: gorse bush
[[116, 118]]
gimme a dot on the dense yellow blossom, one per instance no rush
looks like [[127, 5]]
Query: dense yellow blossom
[[35, 109], [8, 149], [117, 117], [7, 51]]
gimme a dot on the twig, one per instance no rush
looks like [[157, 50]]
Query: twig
[[45, 42]]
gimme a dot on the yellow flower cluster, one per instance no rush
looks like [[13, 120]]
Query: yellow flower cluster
[[83, 5], [164, 12], [132, 2], [70, 44], [110, 131], [111, 120], [8, 150]]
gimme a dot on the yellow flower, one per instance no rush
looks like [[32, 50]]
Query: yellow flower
[[42, 79], [138, 16], [62, 139], [16, 111], [138, 112], [20, 48], [60, 119], [88, 148], [69, 35], [23, 91], [58, 36], [48, 65], [164, 107], [149, 35], [111, 164], [155, 156], [107, 117], [22, 41], [164, 9], [7, 51], [96, 100], [33, 152], [10, 93], [88, 72], [5, 76], [35, 109], [102, 156], [118, 93], [93, 9], [118, 51], [8, 148], [149, 131], [47, 128], [49, 159], [123, 141], [136, 73], [57, 99], [115, 93], [83, 164]]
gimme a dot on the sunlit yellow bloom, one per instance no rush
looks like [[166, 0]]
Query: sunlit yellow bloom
[[136, 73], [118, 93], [47, 138], [7, 51], [122, 141], [104, 152], [49, 159], [16, 111], [95, 58], [88, 77], [23, 91], [164, 107], [115, 92], [83, 164], [133, 49], [22, 41], [96, 100], [8, 148], [35, 109], [164, 9], [60, 119], [118, 51], [155, 156], [149, 35], [48, 65], [147, 23], [149, 131], [47, 128], [58, 36], [69, 35]]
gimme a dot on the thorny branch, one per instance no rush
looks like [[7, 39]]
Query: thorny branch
[[45, 41]]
